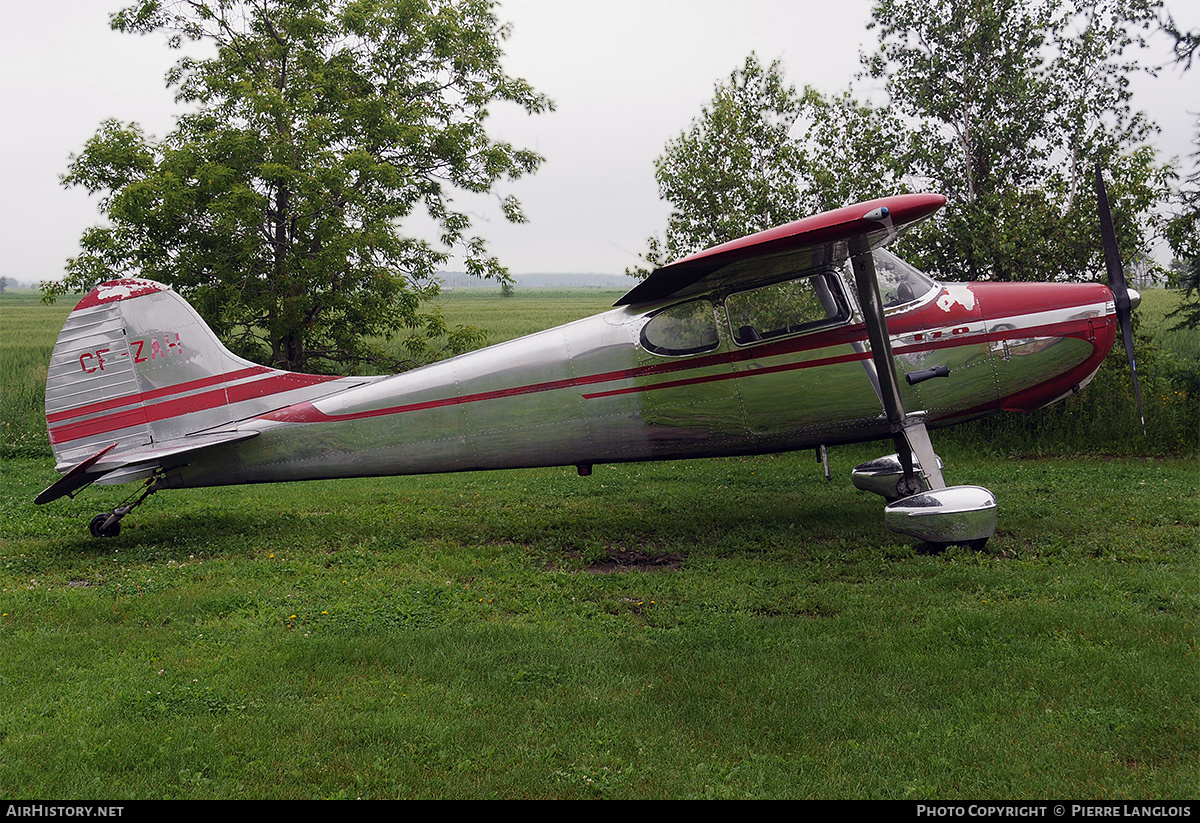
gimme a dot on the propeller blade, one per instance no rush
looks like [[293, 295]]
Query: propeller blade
[[1116, 284]]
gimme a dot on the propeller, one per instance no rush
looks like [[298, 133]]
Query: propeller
[[1116, 284]]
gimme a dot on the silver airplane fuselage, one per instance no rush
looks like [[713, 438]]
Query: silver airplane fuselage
[[591, 392]]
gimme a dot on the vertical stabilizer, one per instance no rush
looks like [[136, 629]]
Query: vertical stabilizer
[[136, 366]]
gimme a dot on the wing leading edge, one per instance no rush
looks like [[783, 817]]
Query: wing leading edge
[[820, 240]]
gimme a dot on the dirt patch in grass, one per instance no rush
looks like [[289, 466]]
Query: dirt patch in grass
[[629, 561]]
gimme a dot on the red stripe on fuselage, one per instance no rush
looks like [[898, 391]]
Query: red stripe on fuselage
[[307, 412], [693, 381], [278, 383], [1073, 329]]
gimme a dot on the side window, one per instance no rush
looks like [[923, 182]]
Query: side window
[[784, 308], [684, 329]]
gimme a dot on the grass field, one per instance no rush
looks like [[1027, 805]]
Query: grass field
[[721, 628]]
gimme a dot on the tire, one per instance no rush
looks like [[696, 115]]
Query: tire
[[96, 527]]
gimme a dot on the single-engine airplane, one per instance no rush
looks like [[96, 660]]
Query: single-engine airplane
[[803, 336]]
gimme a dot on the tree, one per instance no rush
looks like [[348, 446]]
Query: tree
[[741, 167], [735, 171], [1002, 105], [1183, 234], [1186, 42], [1014, 102], [851, 151], [276, 205], [1183, 231]]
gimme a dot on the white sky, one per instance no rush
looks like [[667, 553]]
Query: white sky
[[626, 76]]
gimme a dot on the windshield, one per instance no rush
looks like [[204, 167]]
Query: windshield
[[899, 283]]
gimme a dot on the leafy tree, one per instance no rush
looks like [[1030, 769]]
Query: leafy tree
[[851, 151], [276, 205], [735, 171], [1001, 105], [1186, 42], [1183, 231], [740, 168], [1014, 101]]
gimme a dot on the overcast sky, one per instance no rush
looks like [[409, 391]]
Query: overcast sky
[[626, 76]]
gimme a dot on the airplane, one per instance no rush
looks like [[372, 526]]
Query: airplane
[[808, 335]]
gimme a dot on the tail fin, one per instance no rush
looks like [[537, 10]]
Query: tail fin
[[137, 368]]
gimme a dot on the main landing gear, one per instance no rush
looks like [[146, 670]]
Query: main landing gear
[[920, 503], [940, 516], [108, 524]]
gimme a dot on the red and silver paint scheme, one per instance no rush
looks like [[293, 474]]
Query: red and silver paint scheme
[[761, 345]]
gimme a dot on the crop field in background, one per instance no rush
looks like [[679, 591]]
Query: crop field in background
[[717, 628]]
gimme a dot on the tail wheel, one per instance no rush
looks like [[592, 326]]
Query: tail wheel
[[98, 529]]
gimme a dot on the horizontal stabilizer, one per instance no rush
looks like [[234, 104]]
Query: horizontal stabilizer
[[172, 448], [75, 478], [133, 464]]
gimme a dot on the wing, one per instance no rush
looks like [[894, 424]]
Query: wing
[[778, 253]]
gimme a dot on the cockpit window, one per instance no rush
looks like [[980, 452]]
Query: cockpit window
[[784, 308], [683, 329], [899, 283]]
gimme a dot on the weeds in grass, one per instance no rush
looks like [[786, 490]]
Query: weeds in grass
[[423, 648]]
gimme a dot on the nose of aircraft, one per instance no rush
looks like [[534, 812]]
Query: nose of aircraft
[[1046, 339]]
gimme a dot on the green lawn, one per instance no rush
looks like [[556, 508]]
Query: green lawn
[[758, 633]]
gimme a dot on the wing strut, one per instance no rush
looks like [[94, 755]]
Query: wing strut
[[908, 430], [927, 508]]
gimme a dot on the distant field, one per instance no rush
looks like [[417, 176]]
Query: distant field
[[27, 334], [527, 311], [1156, 304]]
